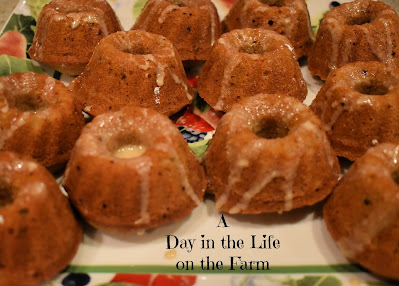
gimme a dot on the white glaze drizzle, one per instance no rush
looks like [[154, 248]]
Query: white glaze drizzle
[[335, 29], [384, 54], [232, 62], [143, 169], [16, 123], [160, 76], [243, 158], [188, 189], [247, 154], [178, 81], [213, 22], [106, 127], [157, 93], [165, 12], [159, 69], [247, 197], [96, 16]]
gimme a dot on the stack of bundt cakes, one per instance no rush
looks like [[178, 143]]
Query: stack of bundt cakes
[[132, 170], [247, 62], [362, 214], [67, 32], [192, 26], [269, 154], [359, 107], [362, 30], [286, 17], [39, 117], [38, 232], [133, 68]]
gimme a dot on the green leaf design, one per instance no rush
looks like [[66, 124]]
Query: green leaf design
[[314, 281], [24, 24], [199, 147], [9, 65], [36, 6], [137, 7], [200, 103]]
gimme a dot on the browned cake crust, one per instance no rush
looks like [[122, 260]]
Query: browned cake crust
[[162, 184], [191, 25], [68, 30], [39, 117], [247, 62], [362, 30], [39, 235], [362, 214], [359, 107], [133, 68], [286, 17], [269, 154]]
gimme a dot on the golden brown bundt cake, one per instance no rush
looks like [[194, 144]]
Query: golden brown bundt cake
[[132, 170], [362, 30], [39, 117], [269, 154], [286, 17], [191, 25], [68, 30], [359, 107], [39, 235], [247, 62], [133, 68], [362, 214]]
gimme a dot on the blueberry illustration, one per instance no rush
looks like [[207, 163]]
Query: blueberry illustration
[[192, 136], [334, 4], [76, 279]]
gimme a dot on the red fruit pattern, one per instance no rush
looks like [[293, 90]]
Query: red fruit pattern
[[13, 43], [193, 121], [155, 279]]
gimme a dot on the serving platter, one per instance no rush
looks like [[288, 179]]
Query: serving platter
[[294, 248]]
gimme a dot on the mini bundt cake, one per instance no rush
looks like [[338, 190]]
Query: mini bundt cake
[[269, 154], [359, 107], [68, 30], [286, 17], [133, 68], [39, 117], [39, 234], [362, 214], [362, 30], [191, 25], [247, 62], [131, 170]]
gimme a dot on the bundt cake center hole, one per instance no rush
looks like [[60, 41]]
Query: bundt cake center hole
[[271, 129], [254, 47], [371, 89], [6, 195], [359, 20], [29, 103], [137, 50], [127, 146], [395, 176], [180, 3], [275, 3]]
